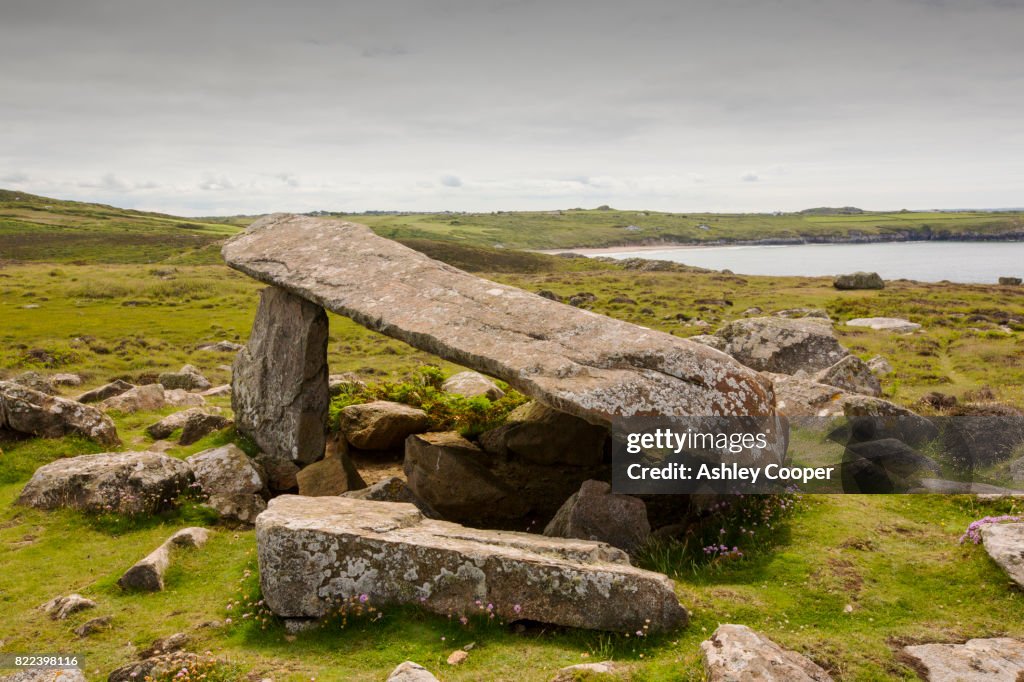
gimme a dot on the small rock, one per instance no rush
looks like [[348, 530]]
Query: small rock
[[581, 299], [338, 383], [797, 313], [735, 653], [411, 672], [622, 299], [66, 379], [171, 423], [281, 474], [333, 475], [91, 627], [752, 312], [392, 489], [880, 366], [457, 657], [1010, 281], [595, 513], [233, 484], [188, 378], [859, 280], [851, 374], [216, 391], [162, 666], [116, 387], [471, 385], [550, 295], [35, 381], [381, 424], [221, 347], [59, 608], [166, 645], [200, 424], [895, 325], [148, 573], [584, 671]]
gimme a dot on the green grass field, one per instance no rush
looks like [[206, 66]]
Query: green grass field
[[99, 307]]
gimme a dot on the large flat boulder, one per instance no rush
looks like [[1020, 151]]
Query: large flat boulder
[[999, 659], [571, 359], [279, 389], [31, 412], [783, 345], [317, 551], [123, 482]]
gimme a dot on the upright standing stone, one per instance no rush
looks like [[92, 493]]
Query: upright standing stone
[[279, 382]]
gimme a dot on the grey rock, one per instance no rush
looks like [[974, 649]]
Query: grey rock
[[1010, 281], [232, 484], [782, 345], [36, 381], [93, 625], [279, 383], [393, 489], [710, 340], [735, 653], [46, 675], [859, 280], [59, 608], [879, 366], [333, 475], [338, 383], [472, 384], [1004, 542], [586, 671], [148, 573], [216, 391], [188, 378], [595, 513], [314, 551], [381, 424], [221, 347], [24, 410], [281, 474], [116, 387], [578, 362], [797, 313], [149, 398], [171, 423], [410, 672], [153, 667], [851, 374], [123, 482], [999, 659], [166, 645], [550, 295], [199, 425], [537, 433], [449, 473], [896, 325]]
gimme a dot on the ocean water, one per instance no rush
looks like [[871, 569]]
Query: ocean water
[[970, 262]]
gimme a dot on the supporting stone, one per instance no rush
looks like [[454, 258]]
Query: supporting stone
[[279, 381]]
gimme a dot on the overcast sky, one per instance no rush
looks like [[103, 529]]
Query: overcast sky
[[217, 107]]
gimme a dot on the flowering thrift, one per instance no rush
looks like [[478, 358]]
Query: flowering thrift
[[973, 532]]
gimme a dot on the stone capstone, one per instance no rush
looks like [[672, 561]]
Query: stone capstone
[[574, 360], [316, 551], [735, 653], [30, 412], [279, 381], [123, 482], [595, 513], [783, 345]]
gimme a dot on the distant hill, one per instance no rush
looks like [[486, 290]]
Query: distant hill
[[828, 210]]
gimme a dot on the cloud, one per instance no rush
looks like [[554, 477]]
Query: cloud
[[216, 183], [451, 181], [749, 176], [15, 178], [288, 179]]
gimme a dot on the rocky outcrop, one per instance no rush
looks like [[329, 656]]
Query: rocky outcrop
[[279, 380], [1004, 542], [148, 574], [233, 485], [574, 360], [122, 482], [999, 659], [471, 385], [24, 410], [316, 551], [595, 513], [859, 280], [896, 325], [851, 374], [782, 345], [537, 433], [188, 378], [381, 424], [735, 653]]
